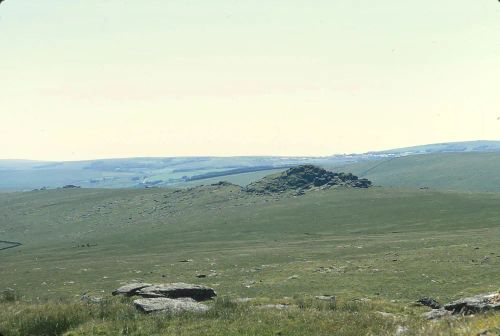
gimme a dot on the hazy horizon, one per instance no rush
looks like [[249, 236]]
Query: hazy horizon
[[118, 79], [235, 156]]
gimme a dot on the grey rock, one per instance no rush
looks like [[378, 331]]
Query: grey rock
[[436, 314], [177, 290], [130, 289], [402, 330], [91, 299], [475, 304], [171, 306]]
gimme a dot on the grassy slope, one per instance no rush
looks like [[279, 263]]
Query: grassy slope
[[382, 244], [449, 171]]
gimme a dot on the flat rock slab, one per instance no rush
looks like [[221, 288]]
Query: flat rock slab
[[130, 289], [170, 306], [476, 304], [177, 290]]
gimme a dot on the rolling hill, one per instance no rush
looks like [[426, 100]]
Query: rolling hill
[[446, 171], [189, 171]]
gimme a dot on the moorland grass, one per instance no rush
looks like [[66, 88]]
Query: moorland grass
[[117, 317], [388, 246], [476, 172]]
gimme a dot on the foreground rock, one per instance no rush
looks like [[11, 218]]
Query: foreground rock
[[170, 291], [130, 289], [170, 306], [475, 304]]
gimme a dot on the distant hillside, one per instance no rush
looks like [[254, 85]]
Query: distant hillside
[[448, 147], [149, 172], [189, 171], [449, 171]]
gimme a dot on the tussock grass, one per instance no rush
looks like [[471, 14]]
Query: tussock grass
[[9, 295], [388, 246], [305, 317]]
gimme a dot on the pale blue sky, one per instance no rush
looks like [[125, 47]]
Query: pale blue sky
[[117, 78]]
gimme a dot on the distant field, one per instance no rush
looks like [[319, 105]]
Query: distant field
[[238, 179], [138, 172], [445, 171], [479, 158], [381, 244]]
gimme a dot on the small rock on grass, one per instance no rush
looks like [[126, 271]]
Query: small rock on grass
[[387, 315], [329, 298], [402, 330], [429, 302], [275, 306], [91, 299]]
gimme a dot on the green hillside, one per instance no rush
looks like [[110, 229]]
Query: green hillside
[[381, 244], [482, 146], [446, 171]]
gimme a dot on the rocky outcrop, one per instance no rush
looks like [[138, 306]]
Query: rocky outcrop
[[171, 291], [475, 304], [71, 186], [171, 306], [306, 177]]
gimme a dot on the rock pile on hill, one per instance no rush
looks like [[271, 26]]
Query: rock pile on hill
[[170, 298], [306, 177]]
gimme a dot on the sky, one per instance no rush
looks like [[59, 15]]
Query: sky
[[86, 79]]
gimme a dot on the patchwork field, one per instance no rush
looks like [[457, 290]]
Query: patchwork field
[[377, 249]]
